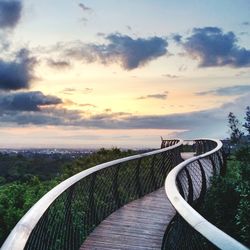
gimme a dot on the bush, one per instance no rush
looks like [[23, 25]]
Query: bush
[[227, 203]]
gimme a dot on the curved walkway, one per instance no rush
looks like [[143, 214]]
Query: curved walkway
[[138, 225]]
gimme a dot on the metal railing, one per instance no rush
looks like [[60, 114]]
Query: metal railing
[[186, 187], [65, 216], [168, 143]]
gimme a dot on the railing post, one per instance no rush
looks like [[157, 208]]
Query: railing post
[[190, 187], [162, 168], [152, 171], [163, 143], [224, 163], [198, 147], [115, 187], [213, 164], [203, 184], [69, 234], [178, 158], [138, 184], [167, 163], [92, 209], [205, 146], [180, 187]]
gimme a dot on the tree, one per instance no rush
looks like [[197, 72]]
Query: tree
[[247, 119], [234, 126], [233, 189]]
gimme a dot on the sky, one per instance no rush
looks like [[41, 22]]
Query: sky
[[121, 73]]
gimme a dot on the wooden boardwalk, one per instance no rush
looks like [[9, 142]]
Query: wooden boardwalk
[[138, 225]]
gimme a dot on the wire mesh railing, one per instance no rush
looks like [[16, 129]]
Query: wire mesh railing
[[168, 143], [65, 216], [186, 187]]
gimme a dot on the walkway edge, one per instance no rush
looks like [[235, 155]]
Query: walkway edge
[[199, 223]]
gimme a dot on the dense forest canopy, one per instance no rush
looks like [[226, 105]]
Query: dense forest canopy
[[25, 180]]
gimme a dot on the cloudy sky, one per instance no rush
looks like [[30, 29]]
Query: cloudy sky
[[121, 73]]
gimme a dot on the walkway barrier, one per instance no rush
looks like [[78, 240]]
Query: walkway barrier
[[186, 186], [168, 143], [65, 216]]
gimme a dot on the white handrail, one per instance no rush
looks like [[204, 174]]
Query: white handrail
[[20, 233], [200, 224]]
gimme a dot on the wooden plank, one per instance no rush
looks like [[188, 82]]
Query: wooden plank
[[139, 225]]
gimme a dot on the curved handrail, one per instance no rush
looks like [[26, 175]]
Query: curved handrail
[[169, 142], [199, 223], [19, 236]]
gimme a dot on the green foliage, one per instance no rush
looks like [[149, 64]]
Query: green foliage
[[246, 125], [227, 204], [25, 180], [20, 168], [242, 217], [235, 128], [101, 156], [15, 200], [2, 180]]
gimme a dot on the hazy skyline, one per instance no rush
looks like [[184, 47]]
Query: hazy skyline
[[121, 73]]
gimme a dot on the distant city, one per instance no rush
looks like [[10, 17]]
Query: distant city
[[55, 152], [58, 153]]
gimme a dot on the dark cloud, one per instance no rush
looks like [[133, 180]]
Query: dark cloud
[[17, 74], [10, 13], [130, 53], [26, 101], [31, 118], [228, 91], [4, 42], [193, 123], [162, 96], [211, 47], [109, 115], [58, 64], [84, 7], [177, 38], [198, 121], [62, 117]]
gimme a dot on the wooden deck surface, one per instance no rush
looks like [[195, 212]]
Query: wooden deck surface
[[187, 155], [138, 225]]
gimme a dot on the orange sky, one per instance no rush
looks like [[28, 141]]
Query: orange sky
[[121, 74]]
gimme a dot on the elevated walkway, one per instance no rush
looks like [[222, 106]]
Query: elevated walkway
[[140, 224], [122, 204]]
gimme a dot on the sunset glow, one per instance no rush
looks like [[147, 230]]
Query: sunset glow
[[121, 73]]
